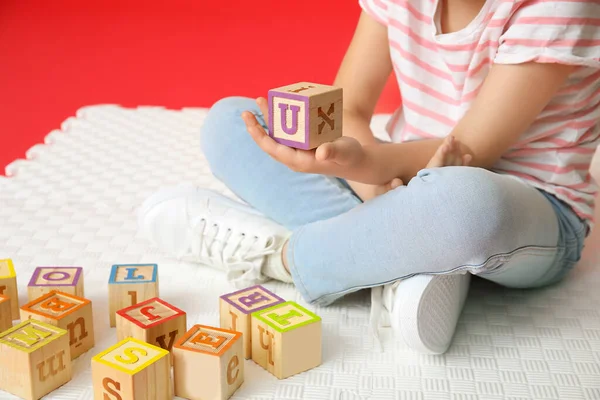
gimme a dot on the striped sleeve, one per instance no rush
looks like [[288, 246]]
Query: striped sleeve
[[376, 9], [552, 31]]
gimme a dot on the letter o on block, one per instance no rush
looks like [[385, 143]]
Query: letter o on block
[[132, 370], [208, 363], [46, 279]]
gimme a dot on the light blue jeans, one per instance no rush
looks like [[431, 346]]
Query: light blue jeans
[[446, 220]]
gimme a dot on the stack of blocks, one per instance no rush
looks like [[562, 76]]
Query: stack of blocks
[[35, 356]]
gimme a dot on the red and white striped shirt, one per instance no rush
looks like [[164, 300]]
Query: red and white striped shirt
[[440, 75]]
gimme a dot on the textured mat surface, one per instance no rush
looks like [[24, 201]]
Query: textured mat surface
[[74, 204]]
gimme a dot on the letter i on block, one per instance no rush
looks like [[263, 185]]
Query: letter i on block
[[8, 286], [286, 339], [72, 313], [132, 370], [153, 321], [130, 284], [235, 309], [5, 313], [34, 359], [46, 279], [305, 115], [208, 363]]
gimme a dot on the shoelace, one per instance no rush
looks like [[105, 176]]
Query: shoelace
[[239, 265]]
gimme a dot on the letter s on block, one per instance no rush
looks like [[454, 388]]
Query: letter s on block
[[111, 391], [131, 357]]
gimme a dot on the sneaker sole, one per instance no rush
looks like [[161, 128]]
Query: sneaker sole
[[428, 310], [187, 190]]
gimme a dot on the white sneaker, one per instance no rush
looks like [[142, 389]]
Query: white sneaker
[[205, 227], [422, 310]]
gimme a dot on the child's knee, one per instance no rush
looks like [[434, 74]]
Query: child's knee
[[223, 127]]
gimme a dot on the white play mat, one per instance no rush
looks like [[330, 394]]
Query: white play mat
[[73, 203]]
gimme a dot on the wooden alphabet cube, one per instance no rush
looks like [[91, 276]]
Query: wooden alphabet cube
[[286, 339], [8, 286], [153, 321], [34, 359], [235, 309], [5, 313], [305, 115], [72, 313], [208, 363], [132, 370], [129, 284], [46, 279]]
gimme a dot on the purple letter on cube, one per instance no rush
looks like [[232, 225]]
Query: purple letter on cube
[[294, 110]]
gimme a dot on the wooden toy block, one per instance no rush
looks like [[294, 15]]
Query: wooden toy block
[[305, 115], [34, 359], [286, 339], [5, 313], [129, 284], [8, 286], [46, 279], [153, 321], [71, 313], [132, 370], [235, 309], [208, 363]]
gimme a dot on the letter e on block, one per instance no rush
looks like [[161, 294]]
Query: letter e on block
[[130, 284], [153, 321], [218, 354], [286, 339], [235, 310], [35, 359], [46, 279], [8, 286], [132, 370], [305, 115], [72, 313]]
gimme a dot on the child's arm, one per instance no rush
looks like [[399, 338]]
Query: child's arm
[[363, 74], [510, 99]]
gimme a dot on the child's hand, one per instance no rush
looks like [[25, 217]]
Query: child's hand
[[449, 154], [344, 158]]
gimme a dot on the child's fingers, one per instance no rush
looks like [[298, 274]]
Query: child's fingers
[[396, 183], [264, 108], [264, 141], [467, 158], [341, 151]]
